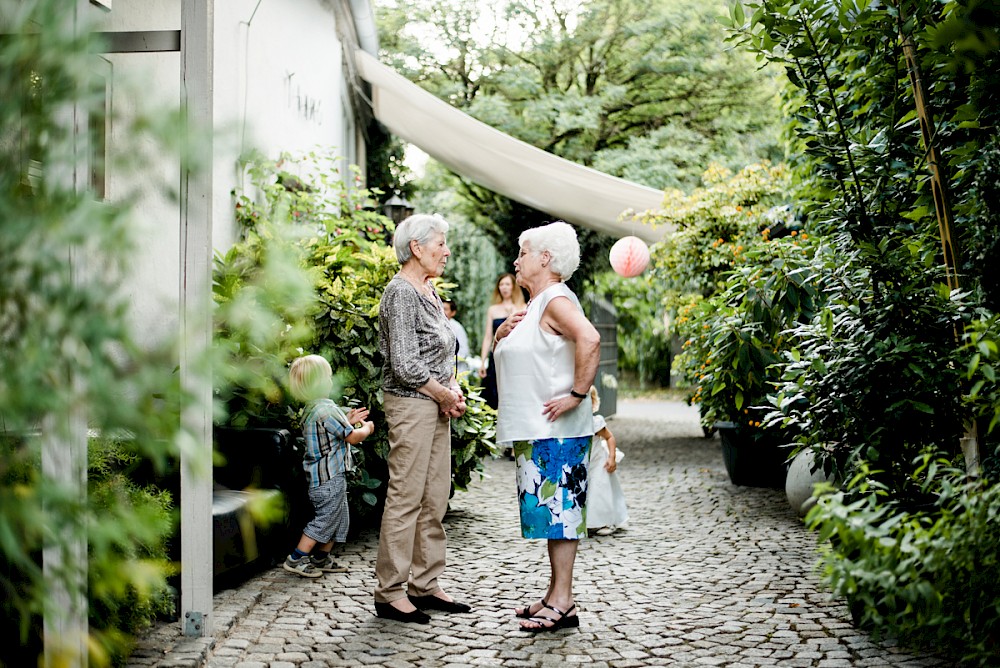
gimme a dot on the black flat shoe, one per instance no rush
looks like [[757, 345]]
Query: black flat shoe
[[434, 603], [386, 611]]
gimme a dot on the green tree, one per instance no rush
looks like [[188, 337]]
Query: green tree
[[596, 82], [876, 378], [641, 90]]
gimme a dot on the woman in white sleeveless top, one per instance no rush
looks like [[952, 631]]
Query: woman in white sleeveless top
[[547, 357]]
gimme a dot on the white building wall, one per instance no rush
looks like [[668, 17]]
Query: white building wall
[[279, 87]]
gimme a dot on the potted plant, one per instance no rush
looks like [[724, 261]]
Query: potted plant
[[733, 341], [734, 275]]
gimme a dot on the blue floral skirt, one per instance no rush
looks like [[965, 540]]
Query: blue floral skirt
[[552, 487]]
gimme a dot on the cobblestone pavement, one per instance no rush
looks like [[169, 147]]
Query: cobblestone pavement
[[706, 574]]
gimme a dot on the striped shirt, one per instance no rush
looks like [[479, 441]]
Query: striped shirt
[[415, 339], [325, 428]]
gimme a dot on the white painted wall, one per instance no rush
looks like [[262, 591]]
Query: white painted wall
[[282, 86], [279, 86]]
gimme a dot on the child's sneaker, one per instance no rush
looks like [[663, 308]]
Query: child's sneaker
[[605, 531], [327, 565], [302, 566]]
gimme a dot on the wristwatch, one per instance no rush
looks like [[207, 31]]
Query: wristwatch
[[578, 395]]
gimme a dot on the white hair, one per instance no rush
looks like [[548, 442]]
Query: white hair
[[559, 239], [420, 227]]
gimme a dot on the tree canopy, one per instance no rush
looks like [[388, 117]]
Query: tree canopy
[[643, 90]]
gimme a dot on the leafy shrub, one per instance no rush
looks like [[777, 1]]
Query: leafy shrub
[[340, 244], [735, 338], [875, 376], [714, 228], [732, 286], [926, 575], [70, 358], [715, 225], [121, 609], [983, 346], [879, 369]]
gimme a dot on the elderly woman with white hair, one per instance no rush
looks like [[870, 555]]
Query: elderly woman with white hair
[[420, 395], [547, 358]]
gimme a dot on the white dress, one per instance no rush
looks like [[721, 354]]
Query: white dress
[[605, 499]]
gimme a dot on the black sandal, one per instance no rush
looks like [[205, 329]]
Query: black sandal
[[554, 623], [526, 610]]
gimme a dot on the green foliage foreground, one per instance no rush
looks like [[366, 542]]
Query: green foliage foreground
[[877, 380], [69, 359], [925, 575]]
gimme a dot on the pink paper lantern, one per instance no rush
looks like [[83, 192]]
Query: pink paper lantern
[[629, 257]]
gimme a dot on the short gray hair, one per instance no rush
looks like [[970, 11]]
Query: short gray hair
[[420, 227], [559, 239]]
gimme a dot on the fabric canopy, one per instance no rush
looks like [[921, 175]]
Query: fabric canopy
[[509, 166]]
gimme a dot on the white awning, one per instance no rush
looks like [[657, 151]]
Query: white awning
[[509, 166]]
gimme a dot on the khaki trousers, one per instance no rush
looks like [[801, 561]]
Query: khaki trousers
[[411, 546]]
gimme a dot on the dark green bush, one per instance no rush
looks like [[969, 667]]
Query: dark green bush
[[923, 574], [120, 610], [874, 379], [879, 381]]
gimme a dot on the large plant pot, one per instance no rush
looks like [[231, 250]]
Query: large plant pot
[[752, 459], [803, 475]]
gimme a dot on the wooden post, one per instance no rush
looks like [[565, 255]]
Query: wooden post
[[939, 187], [197, 29]]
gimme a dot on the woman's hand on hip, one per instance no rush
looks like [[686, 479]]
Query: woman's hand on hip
[[553, 408]]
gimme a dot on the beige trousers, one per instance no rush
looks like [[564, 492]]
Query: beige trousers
[[411, 546]]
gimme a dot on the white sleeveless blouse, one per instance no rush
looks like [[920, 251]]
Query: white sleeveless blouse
[[534, 366]]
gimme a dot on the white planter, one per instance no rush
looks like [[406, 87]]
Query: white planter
[[800, 480]]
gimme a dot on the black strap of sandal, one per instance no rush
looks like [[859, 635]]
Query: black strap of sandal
[[526, 610], [552, 620]]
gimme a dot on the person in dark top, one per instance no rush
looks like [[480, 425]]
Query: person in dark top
[[507, 300]]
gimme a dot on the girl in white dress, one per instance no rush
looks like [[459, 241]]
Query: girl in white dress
[[606, 509]]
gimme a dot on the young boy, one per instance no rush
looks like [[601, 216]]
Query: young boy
[[329, 435]]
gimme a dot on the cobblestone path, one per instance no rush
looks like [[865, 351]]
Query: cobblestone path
[[706, 574]]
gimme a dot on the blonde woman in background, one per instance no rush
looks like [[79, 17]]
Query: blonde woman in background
[[507, 300]]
